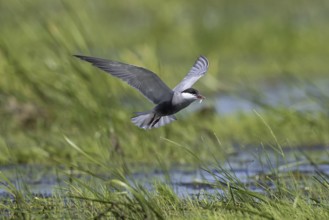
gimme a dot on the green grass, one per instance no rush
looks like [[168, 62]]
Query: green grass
[[48, 97], [46, 94], [294, 195]]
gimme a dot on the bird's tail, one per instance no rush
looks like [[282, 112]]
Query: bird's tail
[[149, 120]]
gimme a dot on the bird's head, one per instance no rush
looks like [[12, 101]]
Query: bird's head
[[192, 94]]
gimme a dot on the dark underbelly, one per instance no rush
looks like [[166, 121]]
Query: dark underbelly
[[166, 108]]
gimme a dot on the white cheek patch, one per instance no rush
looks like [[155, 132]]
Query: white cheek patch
[[188, 95], [201, 100]]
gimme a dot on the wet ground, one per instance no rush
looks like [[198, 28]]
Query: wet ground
[[252, 168], [302, 96]]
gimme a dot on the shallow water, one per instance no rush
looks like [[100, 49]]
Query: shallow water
[[302, 96], [249, 167]]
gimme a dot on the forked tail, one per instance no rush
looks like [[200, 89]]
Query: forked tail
[[149, 120]]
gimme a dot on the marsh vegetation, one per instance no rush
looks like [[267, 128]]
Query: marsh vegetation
[[266, 88]]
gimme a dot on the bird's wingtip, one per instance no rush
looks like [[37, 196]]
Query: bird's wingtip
[[81, 57], [202, 57], [78, 56]]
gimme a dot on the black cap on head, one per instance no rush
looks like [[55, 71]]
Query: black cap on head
[[191, 90]]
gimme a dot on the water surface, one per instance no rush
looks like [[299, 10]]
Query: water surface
[[249, 167]]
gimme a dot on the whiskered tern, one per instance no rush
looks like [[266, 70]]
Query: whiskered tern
[[168, 101]]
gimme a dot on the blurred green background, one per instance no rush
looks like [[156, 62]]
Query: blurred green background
[[46, 94]]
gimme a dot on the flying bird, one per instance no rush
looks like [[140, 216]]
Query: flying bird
[[168, 101]]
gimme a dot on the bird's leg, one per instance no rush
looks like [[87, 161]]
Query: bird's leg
[[151, 121], [155, 121]]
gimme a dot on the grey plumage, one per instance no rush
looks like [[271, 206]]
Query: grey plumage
[[167, 101], [145, 81], [198, 70], [146, 121]]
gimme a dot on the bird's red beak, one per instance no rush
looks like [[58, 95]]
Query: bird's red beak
[[200, 97]]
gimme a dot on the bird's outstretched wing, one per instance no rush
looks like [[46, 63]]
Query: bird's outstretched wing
[[145, 81], [198, 70]]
